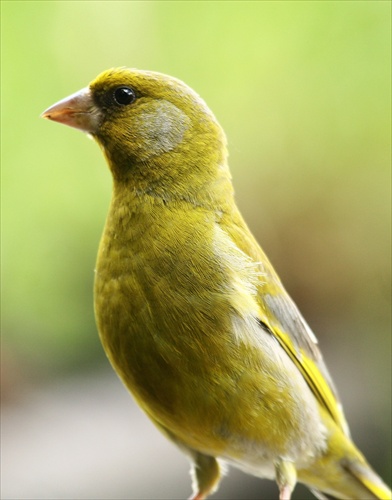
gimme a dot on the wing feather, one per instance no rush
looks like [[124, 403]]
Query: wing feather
[[294, 335], [282, 318]]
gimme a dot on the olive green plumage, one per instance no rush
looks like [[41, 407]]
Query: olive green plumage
[[190, 312]]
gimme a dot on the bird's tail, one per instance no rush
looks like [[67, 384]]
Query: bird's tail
[[358, 481], [343, 473], [368, 480]]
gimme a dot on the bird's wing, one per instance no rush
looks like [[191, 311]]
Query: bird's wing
[[280, 317], [283, 320]]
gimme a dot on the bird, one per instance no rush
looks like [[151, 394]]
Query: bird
[[190, 312]]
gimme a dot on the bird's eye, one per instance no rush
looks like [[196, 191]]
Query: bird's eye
[[124, 96]]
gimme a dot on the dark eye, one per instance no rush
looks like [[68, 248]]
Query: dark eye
[[124, 95]]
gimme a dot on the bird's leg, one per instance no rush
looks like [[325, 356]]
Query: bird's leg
[[286, 477], [206, 475]]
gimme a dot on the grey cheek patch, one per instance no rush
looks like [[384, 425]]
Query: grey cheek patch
[[161, 128]]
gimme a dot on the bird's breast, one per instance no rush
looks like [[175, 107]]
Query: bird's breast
[[176, 308]]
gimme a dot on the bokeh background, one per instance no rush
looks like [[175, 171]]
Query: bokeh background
[[303, 92]]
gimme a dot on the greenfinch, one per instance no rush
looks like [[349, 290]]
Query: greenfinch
[[190, 312]]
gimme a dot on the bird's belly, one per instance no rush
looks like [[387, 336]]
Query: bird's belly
[[194, 378]]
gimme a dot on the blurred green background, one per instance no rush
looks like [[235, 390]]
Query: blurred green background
[[303, 92]]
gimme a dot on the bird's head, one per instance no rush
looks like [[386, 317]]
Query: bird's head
[[153, 129]]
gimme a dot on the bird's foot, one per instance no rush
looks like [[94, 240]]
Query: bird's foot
[[197, 496], [285, 493]]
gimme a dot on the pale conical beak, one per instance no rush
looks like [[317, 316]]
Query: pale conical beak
[[77, 110]]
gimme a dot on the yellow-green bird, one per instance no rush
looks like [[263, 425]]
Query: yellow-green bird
[[191, 314]]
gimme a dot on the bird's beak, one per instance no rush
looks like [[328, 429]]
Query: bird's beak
[[77, 110]]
